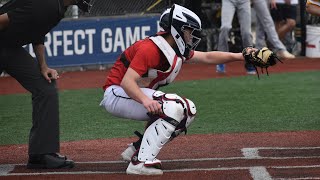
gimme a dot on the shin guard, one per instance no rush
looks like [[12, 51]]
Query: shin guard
[[155, 137]]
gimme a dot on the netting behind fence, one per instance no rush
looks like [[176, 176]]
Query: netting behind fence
[[208, 11], [123, 7], [141, 7]]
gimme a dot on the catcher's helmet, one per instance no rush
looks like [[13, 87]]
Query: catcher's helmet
[[85, 5], [177, 20], [164, 20]]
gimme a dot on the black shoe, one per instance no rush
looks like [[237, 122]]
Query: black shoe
[[49, 161]]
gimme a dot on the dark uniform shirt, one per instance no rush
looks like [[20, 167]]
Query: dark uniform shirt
[[30, 21]]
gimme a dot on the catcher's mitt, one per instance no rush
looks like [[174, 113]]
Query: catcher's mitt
[[262, 58]]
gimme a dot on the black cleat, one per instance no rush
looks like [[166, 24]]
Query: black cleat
[[49, 161]]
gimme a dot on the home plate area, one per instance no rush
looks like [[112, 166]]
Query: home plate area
[[257, 163]]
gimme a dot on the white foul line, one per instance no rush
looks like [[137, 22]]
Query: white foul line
[[256, 171], [259, 173], [295, 148], [189, 160], [304, 178], [5, 169], [250, 153]]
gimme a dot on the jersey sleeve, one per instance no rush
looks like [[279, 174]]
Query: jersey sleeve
[[190, 55]]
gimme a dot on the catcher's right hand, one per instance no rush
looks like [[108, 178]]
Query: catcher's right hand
[[262, 58]]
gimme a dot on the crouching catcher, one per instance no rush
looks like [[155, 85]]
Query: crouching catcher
[[131, 87]]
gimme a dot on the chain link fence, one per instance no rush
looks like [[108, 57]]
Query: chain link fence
[[209, 12], [125, 7], [119, 7], [204, 8]]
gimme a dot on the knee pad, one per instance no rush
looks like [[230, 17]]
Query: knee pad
[[190, 116], [173, 106], [174, 110]]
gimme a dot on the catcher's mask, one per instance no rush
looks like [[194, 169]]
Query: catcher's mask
[[85, 5], [185, 27]]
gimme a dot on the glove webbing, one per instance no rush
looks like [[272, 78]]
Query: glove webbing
[[273, 56], [248, 61]]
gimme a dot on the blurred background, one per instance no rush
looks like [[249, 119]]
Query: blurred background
[[94, 41], [120, 23]]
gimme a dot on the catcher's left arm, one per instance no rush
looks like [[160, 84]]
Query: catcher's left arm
[[263, 58]]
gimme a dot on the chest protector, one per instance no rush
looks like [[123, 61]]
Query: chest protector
[[160, 78]]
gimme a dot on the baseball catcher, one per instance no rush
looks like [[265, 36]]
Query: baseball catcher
[[263, 58], [131, 86]]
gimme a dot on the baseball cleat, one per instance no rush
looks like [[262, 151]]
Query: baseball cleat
[[251, 72], [128, 153], [285, 54], [49, 161], [145, 168], [220, 68]]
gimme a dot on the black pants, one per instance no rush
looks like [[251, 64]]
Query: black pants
[[44, 134]]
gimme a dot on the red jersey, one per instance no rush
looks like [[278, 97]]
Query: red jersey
[[142, 56]]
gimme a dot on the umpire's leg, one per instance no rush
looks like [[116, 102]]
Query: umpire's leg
[[44, 134]]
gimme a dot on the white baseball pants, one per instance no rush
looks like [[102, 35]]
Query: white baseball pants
[[119, 104]]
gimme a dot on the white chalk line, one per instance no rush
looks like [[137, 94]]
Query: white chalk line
[[187, 160], [261, 172], [249, 153], [284, 148], [171, 170]]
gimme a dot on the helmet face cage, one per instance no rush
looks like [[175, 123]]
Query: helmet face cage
[[85, 5], [193, 36], [182, 23]]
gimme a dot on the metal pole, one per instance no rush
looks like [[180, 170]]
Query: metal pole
[[303, 26]]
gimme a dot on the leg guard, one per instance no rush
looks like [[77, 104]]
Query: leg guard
[[180, 128], [155, 136], [160, 131]]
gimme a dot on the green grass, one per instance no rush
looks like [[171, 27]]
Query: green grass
[[280, 102]]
